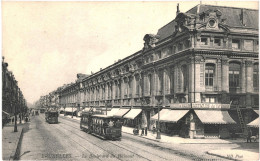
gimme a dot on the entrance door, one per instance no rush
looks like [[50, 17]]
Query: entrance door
[[211, 130]]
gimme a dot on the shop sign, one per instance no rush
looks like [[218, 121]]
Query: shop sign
[[210, 105], [180, 105]]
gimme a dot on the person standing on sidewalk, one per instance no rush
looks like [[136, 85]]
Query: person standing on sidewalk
[[249, 135]]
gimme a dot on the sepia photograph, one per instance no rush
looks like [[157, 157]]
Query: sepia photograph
[[130, 81]]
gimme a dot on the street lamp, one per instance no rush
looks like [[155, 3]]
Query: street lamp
[[72, 112], [158, 136]]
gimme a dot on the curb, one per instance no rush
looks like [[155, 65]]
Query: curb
[[143, 137], [220, 156], [15, 153]]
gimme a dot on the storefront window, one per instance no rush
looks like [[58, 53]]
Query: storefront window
[[234, 74]]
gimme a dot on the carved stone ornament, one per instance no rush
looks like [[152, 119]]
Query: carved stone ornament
[[150, 40]]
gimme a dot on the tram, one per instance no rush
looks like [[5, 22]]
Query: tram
[[51, 117], [106, 127], [42, 110]]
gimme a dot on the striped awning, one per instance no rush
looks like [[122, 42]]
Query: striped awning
[[121, 112], [214, 117], [173, 115], [133, 113], [254, 123]]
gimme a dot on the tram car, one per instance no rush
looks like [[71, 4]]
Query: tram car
[[42, 110], [51, 117], [106, 127]]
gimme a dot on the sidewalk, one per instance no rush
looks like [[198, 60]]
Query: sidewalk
[[243, 153], [180, 140], [11, 141]]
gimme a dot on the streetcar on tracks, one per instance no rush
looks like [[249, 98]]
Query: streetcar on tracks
[[51, 116], [106, 127]]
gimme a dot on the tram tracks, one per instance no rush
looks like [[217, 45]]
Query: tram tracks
[[109, 147], [178, 153], [140, 152]]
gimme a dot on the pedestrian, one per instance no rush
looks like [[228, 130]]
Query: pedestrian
[[249, 135], [111, 124], [154, 129]]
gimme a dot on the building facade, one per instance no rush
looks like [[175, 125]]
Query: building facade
[[201, 71], [13, 101]]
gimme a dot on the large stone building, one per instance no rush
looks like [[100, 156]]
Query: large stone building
[[201, 70], [13, 101]]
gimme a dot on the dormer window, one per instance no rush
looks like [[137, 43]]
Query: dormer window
[[235, 44], [204, 41]]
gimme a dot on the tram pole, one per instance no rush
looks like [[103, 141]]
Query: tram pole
[[158, 136]]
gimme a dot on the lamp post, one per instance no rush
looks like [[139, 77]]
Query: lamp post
[[158, 136], [72, 112]]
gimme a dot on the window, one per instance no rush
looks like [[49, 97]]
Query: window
[[256, 76], [187, 43], [256, 45], [217, 42], [174, 49], [159, 55], [209, 74], [137, 86], [185, 77], [179, 46], [234, 74], [248, 45], [210, 99], [235, 44], [256, 100], [204, 41]]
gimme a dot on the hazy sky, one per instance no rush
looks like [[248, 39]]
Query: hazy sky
[[47, 43]]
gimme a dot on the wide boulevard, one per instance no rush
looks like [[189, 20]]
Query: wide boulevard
[[65, 141]]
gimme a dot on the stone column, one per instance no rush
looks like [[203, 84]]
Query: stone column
[[249, 82], [243, 77], [225, 75], [225, 80], [198, 77], [218, 76]]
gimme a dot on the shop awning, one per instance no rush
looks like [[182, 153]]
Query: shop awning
[[162, 113], [173, 115], [85, 109], [214, 117], [121, 112], [5, 114], [132, 113], [257, 111], [254, 123], [69, 109], [112, 112]]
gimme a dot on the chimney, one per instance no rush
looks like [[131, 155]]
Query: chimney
[[242, 17], [178, 11]]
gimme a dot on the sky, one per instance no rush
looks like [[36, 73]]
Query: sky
[[47, 43]]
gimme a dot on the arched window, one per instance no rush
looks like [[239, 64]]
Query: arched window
[[256, 76], [234, 74], [209, 74]]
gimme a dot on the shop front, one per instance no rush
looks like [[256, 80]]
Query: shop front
[[173, 122], [133, 118], [211, 123]]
